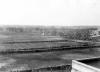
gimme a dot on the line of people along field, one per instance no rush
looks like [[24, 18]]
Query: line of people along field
[[66, 68], [44, 49]]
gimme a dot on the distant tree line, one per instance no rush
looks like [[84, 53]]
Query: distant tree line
[[65, 32], [79, 34]]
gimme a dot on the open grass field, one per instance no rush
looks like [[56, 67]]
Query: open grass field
[[26, 37], [30, 37], [36, 60]]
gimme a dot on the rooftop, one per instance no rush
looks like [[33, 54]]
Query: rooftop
[[86, 65]]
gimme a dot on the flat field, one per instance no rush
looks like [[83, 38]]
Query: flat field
[[30, 37], [36, 60], [26, 37]]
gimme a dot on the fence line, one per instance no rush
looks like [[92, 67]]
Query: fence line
[[71, 40], [35, 41]]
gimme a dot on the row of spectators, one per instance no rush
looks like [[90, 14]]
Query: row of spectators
[[42, 49], [28, 50], [66, 68]]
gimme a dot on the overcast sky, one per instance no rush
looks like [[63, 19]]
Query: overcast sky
[[50, 12]]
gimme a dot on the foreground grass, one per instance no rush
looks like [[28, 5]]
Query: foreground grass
[[38, 60]]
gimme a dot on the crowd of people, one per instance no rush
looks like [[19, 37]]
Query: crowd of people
[[66, 68], [29, 50]]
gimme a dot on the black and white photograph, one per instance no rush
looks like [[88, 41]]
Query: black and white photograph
[[49, 35]]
